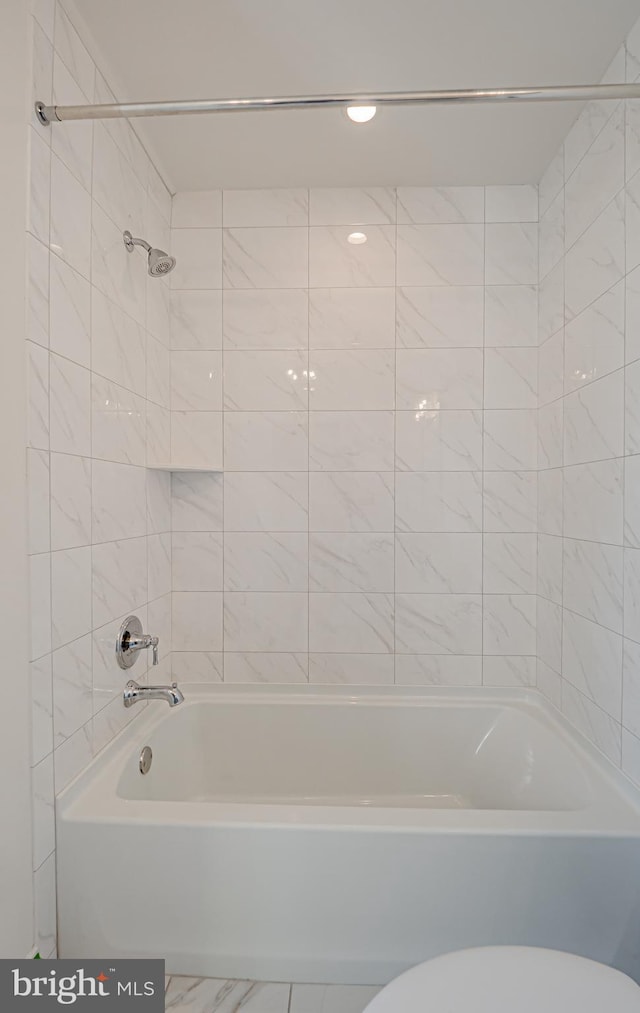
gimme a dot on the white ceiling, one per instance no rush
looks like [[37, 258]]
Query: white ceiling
[[172, 49]]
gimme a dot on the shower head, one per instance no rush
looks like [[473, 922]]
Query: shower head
[[159, 262]]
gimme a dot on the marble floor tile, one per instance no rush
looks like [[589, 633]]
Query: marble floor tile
[[331, 998], [218, 995]]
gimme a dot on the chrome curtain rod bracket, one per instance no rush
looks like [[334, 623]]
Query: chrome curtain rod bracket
[[558, 93]]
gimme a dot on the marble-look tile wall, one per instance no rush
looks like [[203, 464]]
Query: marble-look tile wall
[[362, 364], [589, 440], [98, 351]]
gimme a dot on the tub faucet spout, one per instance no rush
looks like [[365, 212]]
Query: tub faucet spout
[[134, 692]]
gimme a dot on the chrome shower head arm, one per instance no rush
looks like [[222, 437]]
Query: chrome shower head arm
[[130, 241]]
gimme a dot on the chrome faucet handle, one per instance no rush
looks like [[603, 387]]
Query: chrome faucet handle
[[131, 640]]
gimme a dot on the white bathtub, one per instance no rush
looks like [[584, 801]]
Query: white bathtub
[[334, 835]]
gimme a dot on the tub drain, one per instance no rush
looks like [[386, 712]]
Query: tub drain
[[146, 756]]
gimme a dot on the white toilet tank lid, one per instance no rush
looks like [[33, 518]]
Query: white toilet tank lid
[[509, 979]]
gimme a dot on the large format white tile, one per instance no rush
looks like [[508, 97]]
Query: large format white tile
[[438, 501], [351, 669], [597, 178], [197, 209], [264, 258], [438, 670], [118, 423], [440, 205], [119, 501], [438, 624], [593, 501], [198, 254], [594, 421], [351, 441], [265, 667], [510, 379], [118, 344], [434, 378], [265, 319], [337, 262], [259, 621], [517, 203], [265, 501], [197, 440], [72, 688], [594, 341], [549, 563], [510, 315], [603, 730], [351, 380], [197, 621], [70, 407], [38, 487], [632, 593], [352, 206], [632, 222], [509, 564], [511, 254], [74, 54], [509, 624], [196, 502], [352, 318], [119, 275], [592, 582], [438, 563], [39, 605], [597, 260], [351, 623], [344, 561], [39, 192], [550, 379], [265, 441], [70, 313], [196, 381], [37, 396], [70, 595], [116, 189], [196, 319], [263, 208], [509, 670], [196, 561], [266, 561], [552, 236], [44, 883], [592, 662], [351, 501], [70, 219], [265, 381], [119, 578], [440, 317], [37, 291], [70, 501], [510, 501], [440, 255], [510, 440], [43, 809], [439, 441]]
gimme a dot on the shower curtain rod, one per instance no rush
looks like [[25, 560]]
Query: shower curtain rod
[[554, 93]]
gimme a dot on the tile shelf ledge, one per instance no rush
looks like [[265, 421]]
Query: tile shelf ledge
[[184, 467]]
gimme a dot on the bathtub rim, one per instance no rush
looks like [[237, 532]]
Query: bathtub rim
[[614, 811]]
